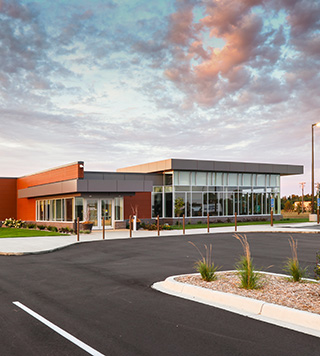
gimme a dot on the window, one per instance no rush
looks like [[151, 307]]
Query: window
[[118, 207], [184, 178], [156, 204], [68, 209], [261, 180], [197, 204], [79, 208], [247, 180], [233, 179], [219, 179], [201, 178]]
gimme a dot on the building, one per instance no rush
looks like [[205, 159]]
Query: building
[[168, 188]]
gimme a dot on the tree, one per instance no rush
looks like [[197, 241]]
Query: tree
[[178, 207], [288, 206]]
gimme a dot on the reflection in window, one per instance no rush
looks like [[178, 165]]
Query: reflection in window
[[157, 204], [197, 204], [179, 204]]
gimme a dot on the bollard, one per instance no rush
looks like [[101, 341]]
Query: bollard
[[78, 230], [271, 217], [208, 223], [318, 216], [158, 225], [103, 228], [130, 227], [235, 222], [184, 224]]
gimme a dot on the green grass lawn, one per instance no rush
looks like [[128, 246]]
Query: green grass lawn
[[11, 232], [203, 226]]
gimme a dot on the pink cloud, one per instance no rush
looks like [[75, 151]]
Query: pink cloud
[[207, 74]]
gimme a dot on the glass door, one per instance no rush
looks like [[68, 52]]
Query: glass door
[[92, 211], [106, 212]]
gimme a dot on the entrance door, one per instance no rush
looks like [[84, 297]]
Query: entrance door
[[106, 212], [97, 209], [92, 211]]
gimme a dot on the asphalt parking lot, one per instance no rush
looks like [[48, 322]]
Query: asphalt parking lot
[[99, 293]]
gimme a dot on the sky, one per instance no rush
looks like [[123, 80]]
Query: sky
[[115, 83]]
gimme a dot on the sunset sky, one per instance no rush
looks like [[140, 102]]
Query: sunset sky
[[123, 82]]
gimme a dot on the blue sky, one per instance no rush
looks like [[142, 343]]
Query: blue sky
[[117, 83]]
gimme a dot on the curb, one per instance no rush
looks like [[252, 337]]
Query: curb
[[294, 319]]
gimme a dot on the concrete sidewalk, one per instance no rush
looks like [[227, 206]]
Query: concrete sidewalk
[[27, 245]]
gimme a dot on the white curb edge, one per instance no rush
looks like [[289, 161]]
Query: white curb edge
[[305, 322]]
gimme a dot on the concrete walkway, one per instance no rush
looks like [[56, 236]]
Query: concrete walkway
[[26, 245]]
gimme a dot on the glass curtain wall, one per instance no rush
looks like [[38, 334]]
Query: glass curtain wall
[[196, 194]]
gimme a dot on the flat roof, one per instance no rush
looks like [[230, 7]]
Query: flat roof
[[174, 164]]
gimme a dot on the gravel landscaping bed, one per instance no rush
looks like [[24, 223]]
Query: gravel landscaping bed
[[274, 289]]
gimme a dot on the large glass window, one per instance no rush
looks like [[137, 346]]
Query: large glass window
[[257, 201], [233, 179], [201, 178], [196, 204], [59, 212], [219, 179], [261, 180], [213, 204], [68, 209], [79, 208], [118, 208], [168, 205], [220, 194], [247, 180], [179, 204], [184, 178], [156, 204], [168, 179]]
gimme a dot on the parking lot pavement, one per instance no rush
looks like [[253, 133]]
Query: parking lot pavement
[[50, 243], [100, 294]]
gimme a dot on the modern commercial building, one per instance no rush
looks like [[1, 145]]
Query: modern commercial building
[[168, 188]]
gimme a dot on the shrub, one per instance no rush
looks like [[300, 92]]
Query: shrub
[[31, 226], [17, 224], [317, 267], [205, 266], [52, 228], [249, 279], [41, 227], [292, 265], [166, 227]]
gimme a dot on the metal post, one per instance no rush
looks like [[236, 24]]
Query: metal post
[[235, 222], [78, 229], [208, 223], [103, 228], [184, 224], [130, 227], [158, 225], [271, 216], [318, 204]]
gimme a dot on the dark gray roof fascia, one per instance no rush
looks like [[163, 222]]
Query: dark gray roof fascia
[[236, 167]]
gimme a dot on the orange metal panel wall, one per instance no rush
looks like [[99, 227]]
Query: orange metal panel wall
[[55, 175], [8, 198], [26, 208], [140, 200]]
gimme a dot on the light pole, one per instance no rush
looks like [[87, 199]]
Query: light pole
[[312, 168], [302, 184]]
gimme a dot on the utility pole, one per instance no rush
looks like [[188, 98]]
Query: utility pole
[[302, 184]]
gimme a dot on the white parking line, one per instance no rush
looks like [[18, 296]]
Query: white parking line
[[60, 331]]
